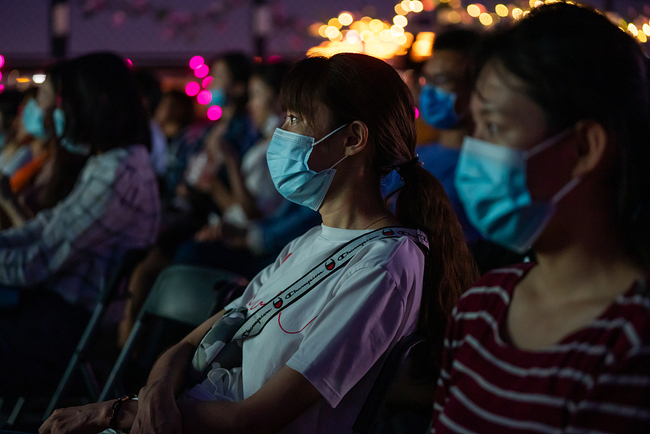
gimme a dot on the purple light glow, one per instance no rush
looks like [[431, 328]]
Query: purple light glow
[[205, 96], [214, 112], [196, 61]]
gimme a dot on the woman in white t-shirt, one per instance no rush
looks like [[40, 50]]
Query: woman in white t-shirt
[[350, 121]]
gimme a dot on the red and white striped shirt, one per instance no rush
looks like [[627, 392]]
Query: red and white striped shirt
[[597, 379]]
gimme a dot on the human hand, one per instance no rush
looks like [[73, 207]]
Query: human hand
[[90, 419], [208, 233], [157, 411]]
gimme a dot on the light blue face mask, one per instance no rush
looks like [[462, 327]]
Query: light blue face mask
[[218, 97], [32, 119], [437, 107], [287, 158], [491, 183]]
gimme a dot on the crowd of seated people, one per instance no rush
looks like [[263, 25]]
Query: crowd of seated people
[[536, 181]]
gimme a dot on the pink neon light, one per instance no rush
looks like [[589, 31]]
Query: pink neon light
[[214, 112], [201, 71], [205, 96], [206, 82], [192, 88], [196, 61], [2, 60], [417, 112], [129, 63]]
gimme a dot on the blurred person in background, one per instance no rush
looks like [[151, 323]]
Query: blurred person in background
[[52, 268], [54, 167], [255, 220], [149, 88], [9, 103]]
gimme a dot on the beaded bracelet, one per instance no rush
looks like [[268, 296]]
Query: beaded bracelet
[[112, 423]]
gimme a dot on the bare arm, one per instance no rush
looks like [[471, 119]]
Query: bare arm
[[154, 412], [282, 399]]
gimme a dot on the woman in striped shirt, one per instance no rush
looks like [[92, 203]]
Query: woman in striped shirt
[[558, 161]]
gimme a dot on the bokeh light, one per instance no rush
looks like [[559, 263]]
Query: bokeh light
[[37, 78], [205, 96], [400, 20], [2, 88], [485, 19], [2, 60], [196, 61], [453, 17], [417, 112], [646, 29], [632, 29], [129, 63], [501, 10], [214, 112], [473, 10], [517, 13], [206, 82], [345, 18], [334, 22], [202, 71], [192, 88], [376, 26], [332, 32], [416, 6]]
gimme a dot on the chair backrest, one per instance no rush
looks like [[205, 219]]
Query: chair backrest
[[371, 410], [107, 294], [184, 293]]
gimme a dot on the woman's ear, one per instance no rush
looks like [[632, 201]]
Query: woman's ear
[[357, 138], [593, 147]]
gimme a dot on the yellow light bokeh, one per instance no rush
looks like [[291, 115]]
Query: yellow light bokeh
[[632, 29], [485, 19], [646, 29], [321, 31], [642, 37], [400, 39], [386, 35], [406, 5], [417, 6], [517, 13], [531, 3], [334, 22], [397, 30], [501, 10], [399, 10], [346, 18], [367, 35], [400, 20], [353, 37], [332, 32], [453, 17], [538, 3], [376, 26], [473, 10]]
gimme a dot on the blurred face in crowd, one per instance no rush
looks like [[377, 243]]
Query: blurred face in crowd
[[262, 101], [448, 70], [221, 76]]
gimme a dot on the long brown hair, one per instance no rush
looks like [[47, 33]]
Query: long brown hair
[[359, 87]]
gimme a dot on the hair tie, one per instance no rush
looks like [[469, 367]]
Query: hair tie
[[406, 169]]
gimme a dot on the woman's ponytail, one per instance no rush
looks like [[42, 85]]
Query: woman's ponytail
[[450, 268]]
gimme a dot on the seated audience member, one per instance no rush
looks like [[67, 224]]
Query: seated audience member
[[558, 161], [350, 120], [149, 88], [52, 268], [55, 166], [256, 222], [9, 103]]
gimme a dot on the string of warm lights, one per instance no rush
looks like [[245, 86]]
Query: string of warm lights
[[381, 39]]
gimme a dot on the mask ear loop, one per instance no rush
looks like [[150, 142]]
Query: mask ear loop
[[550, 142], [339, 128]]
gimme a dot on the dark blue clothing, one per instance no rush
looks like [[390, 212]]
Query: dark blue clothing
[[441, 162]]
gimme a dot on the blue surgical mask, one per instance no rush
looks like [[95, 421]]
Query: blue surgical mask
[[32, 119], [218, 97], [287, 158], [59, 122], [437, 107], [491, 183]]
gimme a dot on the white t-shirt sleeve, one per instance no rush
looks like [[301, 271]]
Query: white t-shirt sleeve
[[356, 327]]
